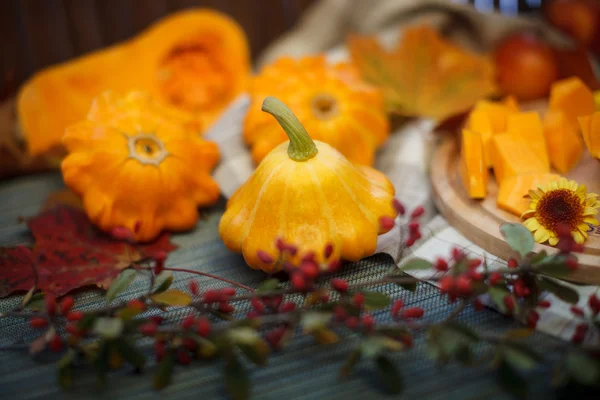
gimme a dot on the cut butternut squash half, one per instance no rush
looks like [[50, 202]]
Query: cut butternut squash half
[[512, 191], [590, 130], [572, 97], [563, 142], [511, 156], [528, 126], [473, 170]]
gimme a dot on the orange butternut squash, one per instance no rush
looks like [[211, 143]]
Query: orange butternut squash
[[563, 142], [512, 191], [473, 169], [511, 156], [573, 98], [590, 130], [528, 126], [196, 60]]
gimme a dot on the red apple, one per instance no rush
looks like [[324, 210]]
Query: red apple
[[525, 66]]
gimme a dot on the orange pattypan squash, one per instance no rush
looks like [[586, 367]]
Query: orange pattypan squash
[[307, 194], [139, 165], [332, 101], [197, 60]]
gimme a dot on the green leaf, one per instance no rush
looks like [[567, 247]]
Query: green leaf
[[236, 379], [162, 376], [244, 335], [511, 381], [172, 297], [561, 291], [372, 346], [376, 300], [101, 361], [256, 352], [36, 302], [411, 287], [518, 238], [108, 328], [519, 356], [65, 369], [554, 266], [130, 353], [165, 280], [463, 330], [351, 361], [446, 341], [120, 284], [416, 264], [583, 368], [497, 295], [313, 321], [268, 285], [392, 380], [538, 257]]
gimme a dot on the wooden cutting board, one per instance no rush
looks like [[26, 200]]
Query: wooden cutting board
[[480, 220]]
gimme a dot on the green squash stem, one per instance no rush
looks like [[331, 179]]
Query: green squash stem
[[301, 147]]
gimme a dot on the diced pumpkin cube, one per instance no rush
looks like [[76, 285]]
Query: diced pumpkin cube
[[497, 113], [590, 130], [572, 97], [511, 103], [480, 122], [511, 156], [563, 142], [473, 171], [513, 190], [528, 126]]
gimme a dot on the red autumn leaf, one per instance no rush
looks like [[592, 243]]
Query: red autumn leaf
[[69, 253]]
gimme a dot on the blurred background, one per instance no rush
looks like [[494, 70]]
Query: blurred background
[[38, 33]]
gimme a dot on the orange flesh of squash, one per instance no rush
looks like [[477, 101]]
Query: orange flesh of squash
[[480, 122], [528, 126], [512, 191], [511, 156], [563, 142], [572, 97], [590, 130], [473, 171]]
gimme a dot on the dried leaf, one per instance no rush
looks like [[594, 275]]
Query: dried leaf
[[424, 75], [69, 253], [120, 284], [172, 297]]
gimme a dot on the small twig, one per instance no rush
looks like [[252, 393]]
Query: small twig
[[191, 271]]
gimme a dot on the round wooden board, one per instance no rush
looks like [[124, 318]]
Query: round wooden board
[[480, 220]]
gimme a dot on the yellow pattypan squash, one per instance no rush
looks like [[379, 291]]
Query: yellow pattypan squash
[[332, 101], [139, 165], [308, 194]]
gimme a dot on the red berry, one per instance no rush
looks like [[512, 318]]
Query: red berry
[[281, 245], [478, 304], [148, 329], [137, 226], [203, 327], [38, 322], [274, 336], [228, 291], [457, 254], [399, 207], [121, 233], [74, 316], [413, 312], [66, 304], [292, 249], [407, 340], [189, 344], [358, 299], [257, 305], [474, 263], [264, 257], [509, 302], [50, 301], [386, 223], [55, 344], [520, 288], [183, 357], [340, 285], [136, 304], [188, 321], [476, 275], [415, 236], [73, 330], [211, 296], [544, 304], [328, 250], [447, 284], [287, 307], [274, 302], [368, 321], [396, 307], [225, 307], [334, 265], [194, 289], [441, 265], [417, 212], [572, 263], [309, 257], [352, 322], [512, 263], [594, 303], [157, 319], [298, 282], [413, 226], [464, 285], [577, 311], [253, 314], [580, 333], [577, 248], [159, 349], [410, 241], [340, 313], [495, 278], [310, 270], [532, 319], [324, 298]]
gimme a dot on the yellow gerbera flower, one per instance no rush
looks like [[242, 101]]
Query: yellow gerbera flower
[[561, 202]]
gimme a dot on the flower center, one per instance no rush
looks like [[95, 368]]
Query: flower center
[[324, 106], [560, 206], [193, 78], [147, 149]]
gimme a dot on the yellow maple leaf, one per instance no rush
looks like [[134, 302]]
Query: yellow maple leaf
[[424, 75]]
